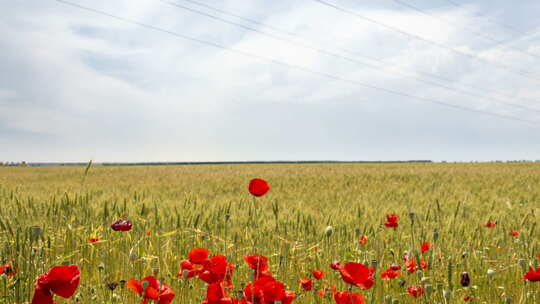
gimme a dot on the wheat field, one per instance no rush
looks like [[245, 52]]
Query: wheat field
[[314, 214]]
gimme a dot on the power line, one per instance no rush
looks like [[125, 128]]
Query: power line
[[336, 55], [432, 42], [356, 54], [479, 34], [486, 17], [292, 66]]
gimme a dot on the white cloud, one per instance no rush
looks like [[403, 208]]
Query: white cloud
[[96, 87]]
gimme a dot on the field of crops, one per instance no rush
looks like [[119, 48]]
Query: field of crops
[[464, 233]]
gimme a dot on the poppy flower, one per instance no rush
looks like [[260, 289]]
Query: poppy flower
[[264, 290], [411, 266], [491, 224], [424, 247], [288, 297], [307, 284], [467, 298], [415, 290], [218, 270], [391, 221], [514, 232], [198, 263], [335, 265], [148, 233], [121, 225], [532, 275], [326, 290], [317, 274], [60, 280], [538, 256], [395, 267], [258, 187], [357, 274], [389, 274], [216, 294], [154, 290], [93, 240], [259, 263], [349, 297], [8, 269], [362, 240]]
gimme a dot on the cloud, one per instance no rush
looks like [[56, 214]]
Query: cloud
[[76, 85]]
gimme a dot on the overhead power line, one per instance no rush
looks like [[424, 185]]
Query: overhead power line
[[476, 33], [296, 67], [336, 55], [509, 27], [432, 42]]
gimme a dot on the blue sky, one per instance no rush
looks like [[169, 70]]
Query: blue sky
[[76, 85]]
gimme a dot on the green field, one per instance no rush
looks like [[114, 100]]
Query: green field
[[208, 206]]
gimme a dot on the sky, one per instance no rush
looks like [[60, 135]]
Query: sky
[[450, 80]]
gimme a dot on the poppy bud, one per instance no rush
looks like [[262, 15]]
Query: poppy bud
[[429, 289], [401, 283], [133, 256], [329, 231], [101, 267], [420, 274], [465, 279], [523, 263], [464, 254], [411, 216], [66, 262], [185, 273], [508, 300], [395, 301], [112, 285], [335, 265], [239, 293]]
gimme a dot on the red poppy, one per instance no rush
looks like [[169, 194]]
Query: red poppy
[[148, 233], [467, 298], [538, 256], [264, 290], [218, 270], [491, 224], [389, 274], [196, 263], [326, 290], [391, 221], [532, 275], [514, 232], [121, 225], [395, 267], [357, 274], [93, 240], [415, 290], [259, 263], [60, 280], [288, 297], [154, 290], [424, 247], [317, 274], [335, 265], [8, 269], [258, 187], [362, 240], [349, 297], [216, 294], [307, 284], [410, 263]]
